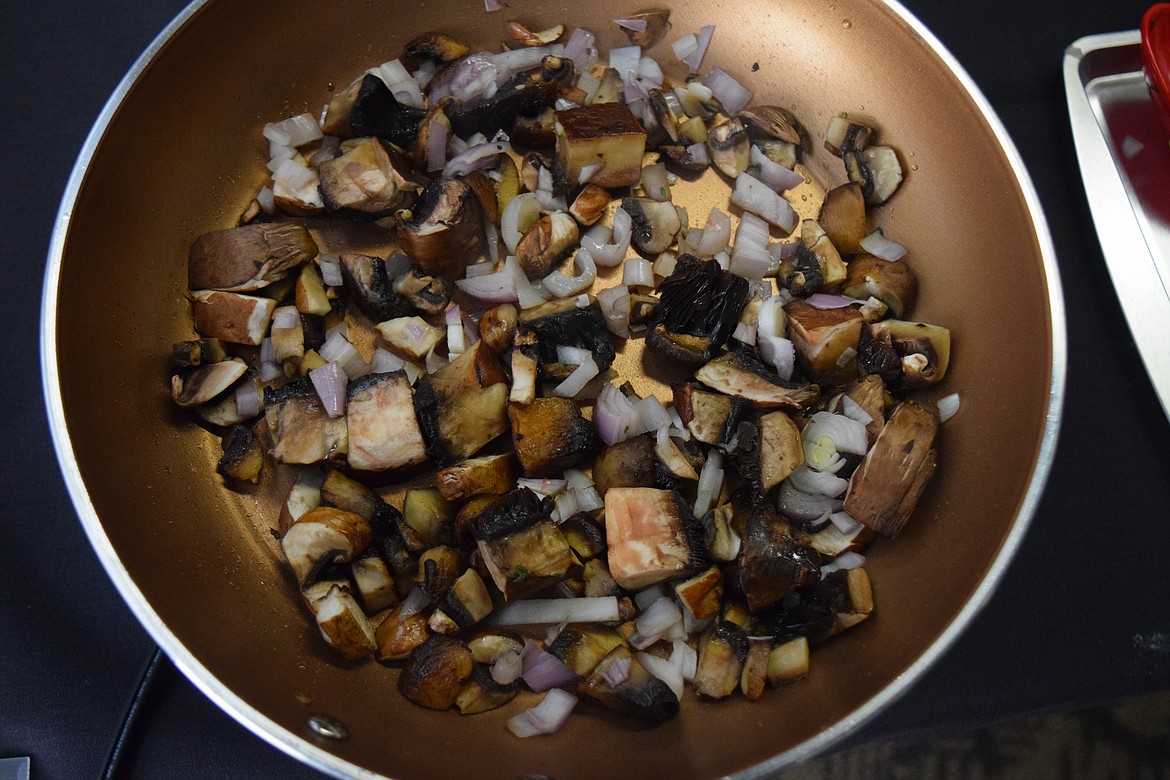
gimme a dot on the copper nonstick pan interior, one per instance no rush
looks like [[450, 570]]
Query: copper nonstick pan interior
[[182, 154]]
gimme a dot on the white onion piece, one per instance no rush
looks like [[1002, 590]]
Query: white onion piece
[[844, 561], [575, 381], [803, 507], [385, 361], [652, 415], [456, 343], [285, 320], [562, 286], [845, 523], [552, 712], [588, 499], [295, 131], [425, 73], [666, 670], [845, 435], [730, 93], [507, 668], [608, 248], [695, 58], [437, 146], [745, 332], [492, 5], [826, 301], [878, 245], [270, 371], [637, 272], [753, 195], [566, 506], [527, 295], [615, 306], [853, 411], [266, 200], [581, 49], [770, 319], [773, 173], [614, 415], [293, 174], [330, 270], [498, 287], [572, 356], [545, 487], [577, 479], [474, 158], [710, 483], [529, 612], [778, 352], [625, 60], [330, 382], [248, 399], [337, 348], [665, 263], [637, 25], [750, 258], [947, 406], [650, 73], [654, 182], [815, 482], [716, 235], [518, 216], [515, 61], [401, 84], [688, 659]]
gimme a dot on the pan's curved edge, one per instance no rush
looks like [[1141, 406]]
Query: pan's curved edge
[[254, 721], [1056, 390]]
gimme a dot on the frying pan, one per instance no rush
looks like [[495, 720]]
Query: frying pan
[[178, 152]]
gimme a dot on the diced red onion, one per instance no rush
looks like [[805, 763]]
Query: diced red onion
[[426, 71], [947, 406], [698, 154], [385, 361], [562, 286], [695, 58], [825, 301], [732, 95], [330, 382], [577, 479], [853, 411], [401, 84], [750, 258], [650, 72], [330, 270], [668, 671], [778, 352], [710, 483], [266, 200], [248, 399], [474, 158], [637, 25], [552, 712], [878, 245], [773, 173], [527, 295], [529, 612], [615, 306], [293, 174], [543, 670], [753, 195], [809, 480], [802, 507], [581, 49], [614, 415], [509, 63], [479, 269], [469, 78], [845, 523], [625, 60], [507, 668], [434, 361], [572, 356], [498, 287], [685, 46], [716, 234], [783, 249], [652, 415], [337, 348], [285, 320], [492, 5], [296, 130], [847, 435], [617, 672], [652, 624], [518, 216], [575, 381], [588, 499], [634, 93], [270, 370], [566, 506], [437, 146], [844, 561]]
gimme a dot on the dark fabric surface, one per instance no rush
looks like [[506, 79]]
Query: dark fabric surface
[[1080, 617]]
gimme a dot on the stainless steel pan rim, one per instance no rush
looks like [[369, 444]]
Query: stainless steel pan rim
[[312, 754]]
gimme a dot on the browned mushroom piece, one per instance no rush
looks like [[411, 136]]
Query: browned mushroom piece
[[370, 179], [654, 224], [466, 603], [462, 406], [684, 158], [550, 435], [892, 283], [773, 560], [410, 337], [755, 669], [850, 595], [538, 133], [232, 317], [204, 383], [771, 123], [780, 449], [676, 460], [605, 135], [640, 694], [741, 374], [590, 204], [710, 417], [311, 297], [657, 25], [336, 120], [844, 135], [429, 515], [842, 217], [826, 340], [302, 431], [429, 294], [885, 488], [702, 595], [436, 47], [668, 119], [869, 393], [247, 258], [343, 624], [340, 490], [435, 672], [525, 366], [814, 238], [368, 284], [497, 327], [243, 456], [585, 535], [477, 476], [383, 430], [628, 463], [374, 582], [482, 693], [722, 652], [583, 647], [197, 352], [730, 148], [722, 541], [878, 171], [546, 242], [443, 233], [399, 634], [788, 661], [522, 550], [322, 536]]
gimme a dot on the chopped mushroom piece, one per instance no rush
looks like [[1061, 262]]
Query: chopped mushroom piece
[[583, 647], [383, 430], [497, 327], [848, 594], [813, 236], [923, 350], [311, 297], [466, 603], [877, 170], [206, 382], [842, 216], [411, 337], [527, 560], [788, 662], [231, 317], [826, 340], [302, 430], [369, 285], [443, 234], [698, 310], [780, 448], [428, 294], [652, 536], [869, 393], [702, 595], [722, 652], [893, 283], [589, 205], [247, 258], [371, 179], [604, 134], [398, 635], [322, 536], [730, 148], [886, 487], [482, 693], [525, 367], [550, 435], [436, 47], [462, 406], [710, 417], [374, 581], [755, 669], [655, 224], [740, 374], [477, 476], [344, 492], [628, 463], [343, 624], [844, 135], [243, 456], [435, 672], [772, 560], [657, 24], [545, 243], [639, 693], [566, 324]]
